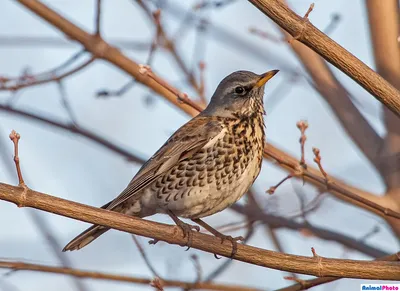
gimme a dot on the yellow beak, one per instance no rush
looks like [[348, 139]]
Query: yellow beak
[[265, 77]]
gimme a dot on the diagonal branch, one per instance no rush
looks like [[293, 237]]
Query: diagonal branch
[[316, 266], [302, 30]]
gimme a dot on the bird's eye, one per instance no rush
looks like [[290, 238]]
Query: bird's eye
[[239, 90]]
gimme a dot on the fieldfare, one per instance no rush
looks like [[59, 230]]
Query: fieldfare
[[204, 167]]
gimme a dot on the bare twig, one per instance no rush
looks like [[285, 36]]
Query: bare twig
[[14, 136], [302, 126], [66, 104], [98, 18], [114, 147], [145, 258], [182, 97], [317, 160], [304, 19], [272, 189], [117, 278], [42, 78]]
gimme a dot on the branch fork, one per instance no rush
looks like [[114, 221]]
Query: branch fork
[[305, 21]]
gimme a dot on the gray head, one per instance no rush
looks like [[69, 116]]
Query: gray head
[[239, 94]]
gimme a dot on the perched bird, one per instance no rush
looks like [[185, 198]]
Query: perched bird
[[204, 167]]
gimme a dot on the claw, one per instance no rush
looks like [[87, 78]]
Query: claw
[[187, 232], [233, 240]]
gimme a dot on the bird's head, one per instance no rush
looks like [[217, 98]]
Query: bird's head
[[239, 94]]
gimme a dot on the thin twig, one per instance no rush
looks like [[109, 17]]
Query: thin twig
[[113, 277], [145, 258], [15, 137], [66, 104], [33, 81], [98, 18], [317, 160], [302, 126], [272, 189], [183, 97]]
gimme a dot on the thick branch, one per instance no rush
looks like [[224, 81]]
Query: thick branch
[[301, 29], [118, 278], [317, 266]]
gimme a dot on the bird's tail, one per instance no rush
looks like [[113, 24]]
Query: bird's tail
[[85, 237]]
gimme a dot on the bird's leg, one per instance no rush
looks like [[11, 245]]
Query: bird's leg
[[223, 237], [186, 228]]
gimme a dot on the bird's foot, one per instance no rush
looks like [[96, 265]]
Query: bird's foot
[[187, 230], [233, 240]]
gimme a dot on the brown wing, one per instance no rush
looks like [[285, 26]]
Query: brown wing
[[185, 142]]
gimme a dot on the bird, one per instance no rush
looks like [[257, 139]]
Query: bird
[[207, 165]]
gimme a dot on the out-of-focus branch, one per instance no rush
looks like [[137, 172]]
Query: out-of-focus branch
[[117, 278], [76, 130], [170, 46], [54, 42], [42, 78], [307, 284], [383, 19], [316, 266], [274, 221], [302, 30]]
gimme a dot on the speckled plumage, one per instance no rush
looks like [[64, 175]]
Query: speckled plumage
[[205, 166]]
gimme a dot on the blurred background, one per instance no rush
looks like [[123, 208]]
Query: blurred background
[[102, 100]]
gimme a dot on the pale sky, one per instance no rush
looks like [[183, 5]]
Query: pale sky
[[65, 165]]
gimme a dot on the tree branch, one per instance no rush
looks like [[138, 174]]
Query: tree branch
[[307, 284], [317, 266], [77, 130], [302, 30], [118, 278]]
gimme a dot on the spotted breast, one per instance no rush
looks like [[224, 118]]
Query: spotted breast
[[213, 178]]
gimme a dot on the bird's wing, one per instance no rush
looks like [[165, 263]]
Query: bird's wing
[[190, 138]]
